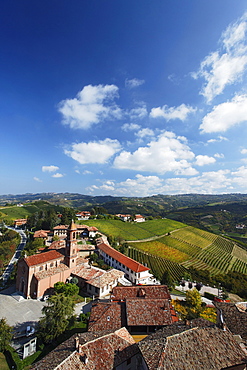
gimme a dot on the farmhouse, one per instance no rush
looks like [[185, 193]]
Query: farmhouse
[[20, 222], [83, 215], [134, 271], [139, 218]]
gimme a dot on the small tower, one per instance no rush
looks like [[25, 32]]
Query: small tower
[[71, 246]]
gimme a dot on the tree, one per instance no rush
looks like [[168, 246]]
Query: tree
[[68, 289], [57, 315], [167, 279], [5, 334], [193, 304]]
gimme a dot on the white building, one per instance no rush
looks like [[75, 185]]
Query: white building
[[133, 270]]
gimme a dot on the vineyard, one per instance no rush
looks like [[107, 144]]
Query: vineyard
[[204, 251], [157, 264], [169, 245]]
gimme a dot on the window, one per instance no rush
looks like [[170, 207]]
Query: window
[[40, 268], [128, 361], [51, 264]]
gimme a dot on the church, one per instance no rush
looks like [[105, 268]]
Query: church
[[38, 273]]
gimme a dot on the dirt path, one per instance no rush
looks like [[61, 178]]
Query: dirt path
[[152, 238]]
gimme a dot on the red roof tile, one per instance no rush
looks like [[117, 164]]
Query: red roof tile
[[37, 259], [126, 261], [148, 312], [120, 293]]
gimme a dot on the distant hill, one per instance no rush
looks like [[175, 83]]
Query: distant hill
[[215, 213]]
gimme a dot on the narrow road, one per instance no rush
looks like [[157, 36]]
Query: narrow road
[[16, 255]]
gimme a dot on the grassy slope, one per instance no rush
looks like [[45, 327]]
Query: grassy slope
[[3, 362]]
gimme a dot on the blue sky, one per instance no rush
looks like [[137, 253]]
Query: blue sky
[[123, 98]]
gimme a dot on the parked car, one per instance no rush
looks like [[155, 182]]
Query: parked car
[[30, 331]]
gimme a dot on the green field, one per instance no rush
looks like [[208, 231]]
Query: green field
[[167, 244], [135, 231]]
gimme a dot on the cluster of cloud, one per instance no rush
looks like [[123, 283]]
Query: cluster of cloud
[[51, 169], [93, 152], [91, 105], [212, 182], [226, 65], [226, 115], [166, 153], [169, 113]]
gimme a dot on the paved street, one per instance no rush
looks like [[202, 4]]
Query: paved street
[[16, 255], [19, 313]]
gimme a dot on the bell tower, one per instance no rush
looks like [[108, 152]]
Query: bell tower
[[71, 246]]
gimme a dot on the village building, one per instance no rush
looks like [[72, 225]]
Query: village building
[[82, 231], [133, 270], [181, 347], [139, 218], [233, 317], [38, 273], [95, 350], [123, 217], [83, 215], [20, 222], [141, 309], [97, 282]]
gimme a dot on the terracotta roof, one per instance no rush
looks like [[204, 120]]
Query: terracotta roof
[[107, 316], [60, 227], [148, 312], [52, 271], [234, 318], [193, 349], [96, 277], [141, 291], [126, 261], [37, 259], [41, 234], [132, 312], [103, 350]]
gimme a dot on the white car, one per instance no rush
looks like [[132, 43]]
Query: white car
[[30, 330]]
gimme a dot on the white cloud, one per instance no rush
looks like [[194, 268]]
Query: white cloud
[[219, 155], [240, 176], [207, 183], [243, 151], [225, 115], [167, 153], [37, 179], [57, 175], [130, 127], [144, 132], [226, 65], [139, 112], [93, 151], [202, 160], [220, 138], [91, 105], [50, 168], [134, 82], [181, 112], [86, 172]]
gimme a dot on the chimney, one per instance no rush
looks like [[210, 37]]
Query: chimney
[[77, 343]]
